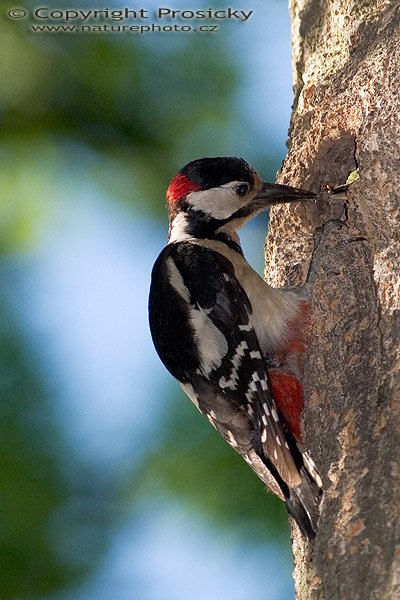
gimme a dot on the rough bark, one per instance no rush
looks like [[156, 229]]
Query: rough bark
[[346, 63]]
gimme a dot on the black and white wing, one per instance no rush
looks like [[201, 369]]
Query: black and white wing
[[200, 319]]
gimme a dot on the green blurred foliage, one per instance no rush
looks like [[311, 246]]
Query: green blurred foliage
[[47, 500], [28, 183], [136, 103], [125, 113], [192, 462]]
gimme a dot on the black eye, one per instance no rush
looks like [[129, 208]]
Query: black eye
[[242, 189]]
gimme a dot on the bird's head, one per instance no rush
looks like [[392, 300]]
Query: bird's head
[[212, 197]]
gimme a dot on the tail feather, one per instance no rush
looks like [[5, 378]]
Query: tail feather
[[303, 502]]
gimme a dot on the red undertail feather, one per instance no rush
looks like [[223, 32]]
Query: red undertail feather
[[289, 399]]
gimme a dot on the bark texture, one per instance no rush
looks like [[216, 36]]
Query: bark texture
[[346, 65]]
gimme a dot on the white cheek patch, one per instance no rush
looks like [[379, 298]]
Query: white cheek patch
[[220, 203]]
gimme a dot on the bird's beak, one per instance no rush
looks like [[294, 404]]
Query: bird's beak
[[273, 193]]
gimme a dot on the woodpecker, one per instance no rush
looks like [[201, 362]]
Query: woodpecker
[[226, 335]]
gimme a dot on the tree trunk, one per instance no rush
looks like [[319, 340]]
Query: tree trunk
[[346, 63]]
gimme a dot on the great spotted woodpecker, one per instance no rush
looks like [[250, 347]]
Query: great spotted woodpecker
[[227, 336]]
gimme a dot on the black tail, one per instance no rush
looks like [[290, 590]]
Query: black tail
[[303, 502]]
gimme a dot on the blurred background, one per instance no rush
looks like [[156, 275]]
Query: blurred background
[[112, 484]]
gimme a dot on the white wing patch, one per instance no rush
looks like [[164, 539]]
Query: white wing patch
[[211, 343], [176, 280]]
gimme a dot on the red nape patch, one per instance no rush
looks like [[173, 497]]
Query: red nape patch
[[289, 400], [180, 187]]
